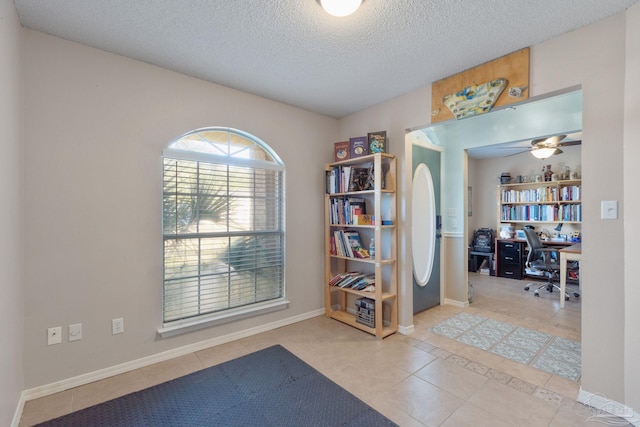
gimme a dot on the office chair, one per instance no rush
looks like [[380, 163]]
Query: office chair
[[544, 259]]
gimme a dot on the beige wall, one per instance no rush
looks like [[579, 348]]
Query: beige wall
[[95, 128], [632, 208], [12, 301], [590, 57]]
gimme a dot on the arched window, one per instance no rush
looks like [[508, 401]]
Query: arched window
[[223, 229]]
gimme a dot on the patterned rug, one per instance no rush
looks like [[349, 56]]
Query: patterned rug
[[558, 356], [271, 387]]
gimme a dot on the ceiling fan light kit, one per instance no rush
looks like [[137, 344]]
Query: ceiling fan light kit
[[545, 152], [340, 8]]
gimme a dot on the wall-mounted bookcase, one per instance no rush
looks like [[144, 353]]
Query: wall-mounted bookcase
[[360, 205], [540, 202]]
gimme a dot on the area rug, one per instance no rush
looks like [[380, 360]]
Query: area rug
[[271, 387], [556, 355]]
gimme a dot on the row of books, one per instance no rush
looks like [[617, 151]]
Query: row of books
[[348, 244], [570, 193], [344, 179], [529, 213], [348, 210], [570, 213], [541, 194], [354, 280]]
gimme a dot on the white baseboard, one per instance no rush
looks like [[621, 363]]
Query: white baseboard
[[406, 330], [606, 410], [18, 413], [456, 303], [90, 377]]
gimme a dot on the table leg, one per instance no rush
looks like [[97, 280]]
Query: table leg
[[563, 277]]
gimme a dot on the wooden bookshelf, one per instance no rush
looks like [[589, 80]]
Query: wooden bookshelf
[[380, 202]]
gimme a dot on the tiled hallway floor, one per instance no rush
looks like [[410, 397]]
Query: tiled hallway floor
[[419, 380]]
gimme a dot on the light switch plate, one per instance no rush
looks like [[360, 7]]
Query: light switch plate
[[609, 209], [75, 332]]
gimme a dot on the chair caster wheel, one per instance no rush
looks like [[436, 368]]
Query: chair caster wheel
[[566, 298], [577, 295], [526, 288], [536, 293]]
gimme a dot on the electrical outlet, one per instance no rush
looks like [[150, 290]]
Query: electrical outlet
[[75, 332], [117, 326], [54, 335]]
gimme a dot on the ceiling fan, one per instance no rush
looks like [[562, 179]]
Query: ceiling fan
[[543, 148]]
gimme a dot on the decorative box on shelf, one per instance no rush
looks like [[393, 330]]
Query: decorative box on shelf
[[366, 312]]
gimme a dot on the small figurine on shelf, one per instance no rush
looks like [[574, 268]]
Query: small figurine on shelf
[[547, 173]]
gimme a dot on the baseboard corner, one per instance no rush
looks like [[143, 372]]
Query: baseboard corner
[[406, 330], [605, 408]]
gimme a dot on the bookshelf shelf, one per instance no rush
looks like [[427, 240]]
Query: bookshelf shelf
[[344, 212], [350, 319], [364, 260]]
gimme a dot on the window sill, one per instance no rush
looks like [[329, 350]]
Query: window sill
[[190, 325]]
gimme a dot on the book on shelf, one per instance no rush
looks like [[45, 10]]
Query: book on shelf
[[337, 278], [363, 220], [354, 206], [331, 181], [361, 179], [355, 243], [377, 141], [349, 280], [570, 193], [345, 178], [347, 244], [341, 151], [332, 245], [340, 249], [359, 146], [364, 282]]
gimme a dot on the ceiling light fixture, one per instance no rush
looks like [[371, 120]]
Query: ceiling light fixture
[[340, 8], [543, 153]]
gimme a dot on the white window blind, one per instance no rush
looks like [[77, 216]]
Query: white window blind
[[223, 225]]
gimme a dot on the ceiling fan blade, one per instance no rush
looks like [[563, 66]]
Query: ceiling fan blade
[[552, 141], [570, 143], [515, 154]]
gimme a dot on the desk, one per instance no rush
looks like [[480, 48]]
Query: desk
[[573, 253], [512, 254]]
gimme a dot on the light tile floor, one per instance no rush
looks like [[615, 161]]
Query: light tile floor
[[418, 380]]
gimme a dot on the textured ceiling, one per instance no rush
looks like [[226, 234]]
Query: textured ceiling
[[292, 51]]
